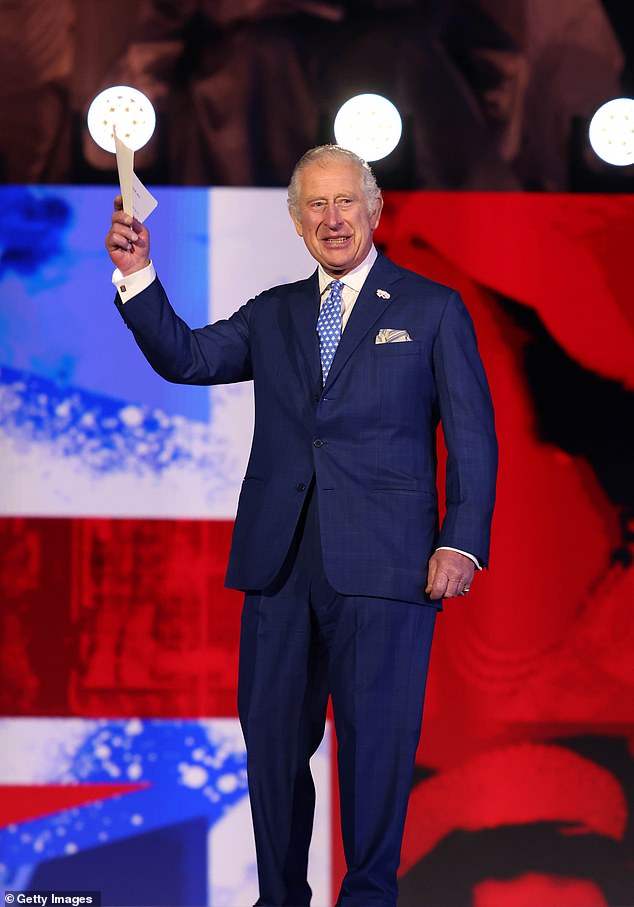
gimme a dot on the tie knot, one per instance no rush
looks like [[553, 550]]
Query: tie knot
[[335, 288]]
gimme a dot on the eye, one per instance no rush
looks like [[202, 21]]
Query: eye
[[317, 205], [344, 202]]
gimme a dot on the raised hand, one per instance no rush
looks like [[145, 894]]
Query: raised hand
[[127, 241]]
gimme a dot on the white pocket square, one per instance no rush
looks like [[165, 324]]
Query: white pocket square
[[391, 335]]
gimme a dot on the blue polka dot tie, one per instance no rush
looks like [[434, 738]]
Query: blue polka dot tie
[[329, 327]]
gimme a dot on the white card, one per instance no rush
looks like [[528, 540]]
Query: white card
[[143, 202], [137, 200]]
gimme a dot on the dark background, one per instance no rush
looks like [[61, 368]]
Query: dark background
[[494, 94]]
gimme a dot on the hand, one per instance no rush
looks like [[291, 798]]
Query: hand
[[128, 241], [449, 574]]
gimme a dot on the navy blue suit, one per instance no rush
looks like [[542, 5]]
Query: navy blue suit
[[339, 505]]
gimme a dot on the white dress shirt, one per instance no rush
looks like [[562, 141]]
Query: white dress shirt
[[352, 283], [130, 286]]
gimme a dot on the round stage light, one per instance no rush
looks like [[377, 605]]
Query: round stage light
[[129, 110], [611, 132], [369, 125]]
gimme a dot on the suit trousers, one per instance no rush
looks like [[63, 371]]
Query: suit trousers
[[301, 642]]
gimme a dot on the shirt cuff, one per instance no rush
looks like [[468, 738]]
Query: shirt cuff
[[131, 285], [466, 554]]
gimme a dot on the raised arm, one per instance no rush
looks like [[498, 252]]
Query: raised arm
[[215, 354]]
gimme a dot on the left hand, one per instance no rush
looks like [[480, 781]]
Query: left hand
[[449, 574]]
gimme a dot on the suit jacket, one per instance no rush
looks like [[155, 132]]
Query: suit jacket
[[368, 437]]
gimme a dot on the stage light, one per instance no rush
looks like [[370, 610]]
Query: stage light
[[129, 110], [369, 125], [611, 132]]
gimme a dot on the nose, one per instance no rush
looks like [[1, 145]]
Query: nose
[[333, 216]]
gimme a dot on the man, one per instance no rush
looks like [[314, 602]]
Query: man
[[336, 541]]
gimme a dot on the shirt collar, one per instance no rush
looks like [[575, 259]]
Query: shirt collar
[[354, 279]]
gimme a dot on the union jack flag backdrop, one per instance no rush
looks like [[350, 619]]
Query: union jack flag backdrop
[[121, 759]]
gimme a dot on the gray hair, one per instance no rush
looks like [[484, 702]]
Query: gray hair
[[323, 154]]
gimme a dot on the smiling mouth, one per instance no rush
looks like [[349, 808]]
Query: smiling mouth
[[336, 240]]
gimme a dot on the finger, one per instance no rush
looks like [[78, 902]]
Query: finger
[[125, 230], [117, 240], [454, 588], [439, 586], [431, 575], [120, 217], [459, 578]]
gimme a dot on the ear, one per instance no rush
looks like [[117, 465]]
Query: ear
[[297, 223], [375, 217]]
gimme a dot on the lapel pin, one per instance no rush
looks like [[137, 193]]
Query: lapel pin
[[383, 294]]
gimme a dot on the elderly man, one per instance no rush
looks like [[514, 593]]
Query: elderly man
[[337, 544]]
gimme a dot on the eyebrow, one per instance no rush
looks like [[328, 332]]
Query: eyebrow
[[319, 198]]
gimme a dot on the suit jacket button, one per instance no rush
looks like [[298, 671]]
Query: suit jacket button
[[300, 486], [318, 442]]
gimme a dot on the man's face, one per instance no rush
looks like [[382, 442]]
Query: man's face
[[333, 218]]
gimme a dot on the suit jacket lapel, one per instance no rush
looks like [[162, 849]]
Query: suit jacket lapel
[[368, 309], [303, 310]]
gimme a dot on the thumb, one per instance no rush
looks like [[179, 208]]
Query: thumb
[[431, 575]]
